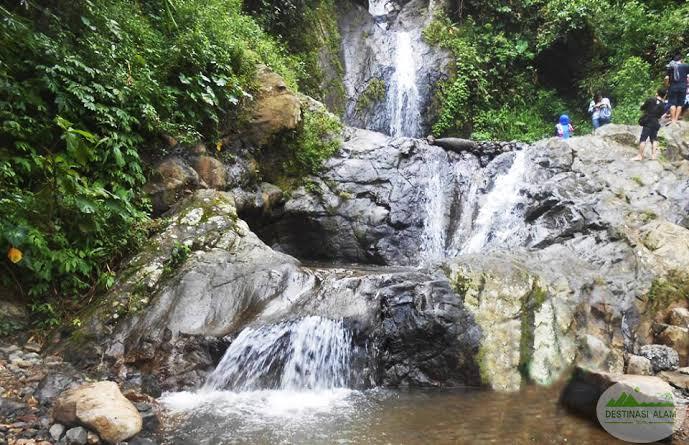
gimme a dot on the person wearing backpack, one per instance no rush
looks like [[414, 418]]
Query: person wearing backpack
[[564, 128], [676, 81], [653, 109], [600, 110]]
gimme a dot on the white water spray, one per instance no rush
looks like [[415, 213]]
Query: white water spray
[[403, 101], [379, 8], [435, 209], [311, 353], [498, 218]]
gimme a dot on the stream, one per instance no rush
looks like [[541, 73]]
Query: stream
[[447, 416]]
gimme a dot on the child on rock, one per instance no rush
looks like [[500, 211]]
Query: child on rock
[[564, 128]]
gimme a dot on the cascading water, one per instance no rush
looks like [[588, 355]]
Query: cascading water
[[435, 209], [498, 218], [310, 353], [294, 370], [403, 101]]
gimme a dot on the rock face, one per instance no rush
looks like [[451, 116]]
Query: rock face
[[383, 50], [411, 321], [172, 178], [276, 109], [506, 269], [369, 204], [100, 407]]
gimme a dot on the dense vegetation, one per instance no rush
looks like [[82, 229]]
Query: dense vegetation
[[87, 88], [308, 29], [522, 63]]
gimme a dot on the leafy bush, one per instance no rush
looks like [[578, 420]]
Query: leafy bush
[[309, 30], [85, 87], [527, 121], [317, 141]]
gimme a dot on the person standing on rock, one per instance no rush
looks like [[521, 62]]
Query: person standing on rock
[[600, 110], [653, 109], [564, 128], [676, 81]]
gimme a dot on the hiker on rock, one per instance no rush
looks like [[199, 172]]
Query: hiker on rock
[[653, 109], [676, 81], [600, 110], [564, 128]]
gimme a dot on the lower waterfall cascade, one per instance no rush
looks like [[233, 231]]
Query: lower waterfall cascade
[[306, 354]]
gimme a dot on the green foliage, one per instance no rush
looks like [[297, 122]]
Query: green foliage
[[373, 94], [526, 121], [9, 326], [180, 253], [319, 140], [300, 153], [500, 50], [85, 86], [309, 30], [667, 290]]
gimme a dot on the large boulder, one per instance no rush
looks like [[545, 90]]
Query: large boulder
[[586, 386], [527, 321], [100, 407], [277, 108], [663, 358], [211, 171], [172, 179]]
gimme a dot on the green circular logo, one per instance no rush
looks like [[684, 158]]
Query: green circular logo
[[639, 410]]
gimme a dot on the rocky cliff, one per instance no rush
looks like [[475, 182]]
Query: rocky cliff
[[573, 238]]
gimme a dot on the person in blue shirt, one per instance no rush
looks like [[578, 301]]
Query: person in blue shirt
[[564, 128]]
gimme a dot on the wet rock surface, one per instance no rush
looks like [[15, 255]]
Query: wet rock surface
[[372, 52], [583, 249]]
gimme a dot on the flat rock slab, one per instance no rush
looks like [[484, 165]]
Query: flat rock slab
[[677, 379]]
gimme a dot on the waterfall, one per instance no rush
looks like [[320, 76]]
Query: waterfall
[[379, 8], [498, 218], [403, 100], [309, 353], [435, 209]]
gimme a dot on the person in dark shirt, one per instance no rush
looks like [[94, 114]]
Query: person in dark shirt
[[653, 109], [676, 80]]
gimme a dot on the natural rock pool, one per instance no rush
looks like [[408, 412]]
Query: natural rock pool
[[341, 416]]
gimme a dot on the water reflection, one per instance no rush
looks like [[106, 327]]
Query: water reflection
[[377, 417]]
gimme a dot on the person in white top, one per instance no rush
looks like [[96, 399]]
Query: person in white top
[[600, 110]]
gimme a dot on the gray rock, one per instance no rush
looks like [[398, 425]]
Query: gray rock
[[679, 316], [142, 441], [663, 358], [639, 365], [9, 408], [76, 436], [585, 388], [56, 431], [53, 385]]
